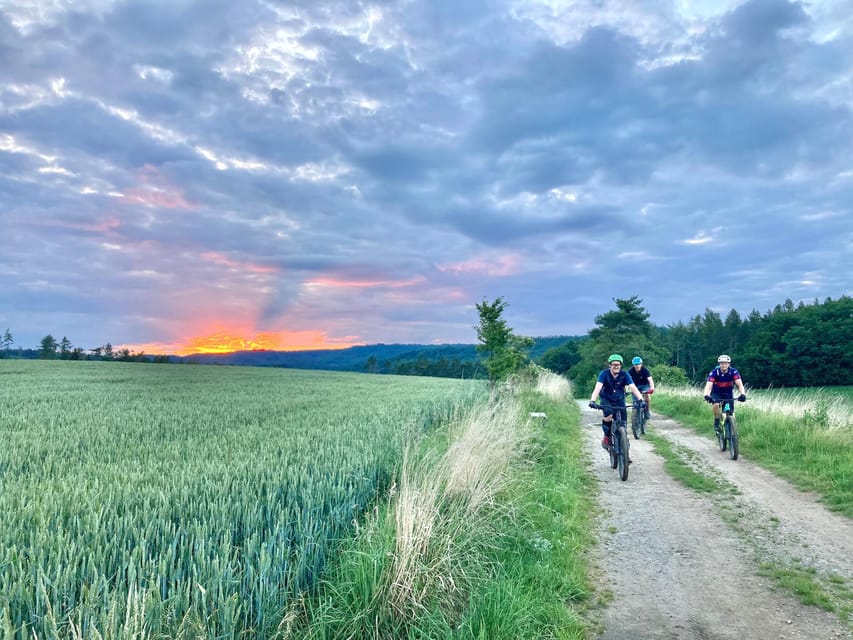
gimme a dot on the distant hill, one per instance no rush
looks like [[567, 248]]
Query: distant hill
[[388, 357]]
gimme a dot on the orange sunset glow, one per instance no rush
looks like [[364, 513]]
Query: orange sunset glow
[[227, 342], [268, 341]]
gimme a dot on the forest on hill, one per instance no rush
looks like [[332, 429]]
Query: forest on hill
[[787, 346]]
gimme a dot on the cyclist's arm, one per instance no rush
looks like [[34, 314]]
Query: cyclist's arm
[[740, 387], [708, 386], [596, 391], [651, 384]]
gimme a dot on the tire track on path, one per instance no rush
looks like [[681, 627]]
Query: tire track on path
[[674, 569]]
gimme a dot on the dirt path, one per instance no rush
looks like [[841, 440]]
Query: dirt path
[[684, 565]]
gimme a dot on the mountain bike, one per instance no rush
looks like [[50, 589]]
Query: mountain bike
[[727, 436], [638, 419], [619, 443]]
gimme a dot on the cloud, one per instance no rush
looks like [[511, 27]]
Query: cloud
[[366, 173]]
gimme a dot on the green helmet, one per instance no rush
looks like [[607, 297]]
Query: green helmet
[[614, 358]]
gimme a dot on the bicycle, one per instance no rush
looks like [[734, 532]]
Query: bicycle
[[638, 419], [727, 436], [619, 443]]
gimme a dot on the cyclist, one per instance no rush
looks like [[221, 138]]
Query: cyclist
[[720, 386], [612, 384], [643, 380]]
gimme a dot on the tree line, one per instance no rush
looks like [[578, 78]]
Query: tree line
[[423, 365], [52, 349], [787, 346]]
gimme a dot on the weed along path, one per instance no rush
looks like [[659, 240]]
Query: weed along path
[[716, 561]]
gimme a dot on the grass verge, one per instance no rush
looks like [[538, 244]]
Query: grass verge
[[679, 463], [484, 536], [803, 443]]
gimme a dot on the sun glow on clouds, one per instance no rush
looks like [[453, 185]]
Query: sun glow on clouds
[[225, 342], [231, 341]]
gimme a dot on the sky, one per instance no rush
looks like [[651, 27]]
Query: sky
[[210, 175]]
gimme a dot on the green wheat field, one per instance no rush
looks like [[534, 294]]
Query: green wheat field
[[160, 496]]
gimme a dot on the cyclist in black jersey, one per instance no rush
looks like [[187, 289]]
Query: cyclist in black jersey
[[643, 380], [612, 384]]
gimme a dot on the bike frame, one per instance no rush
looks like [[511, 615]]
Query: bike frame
[[638, 421], [728, 438], [618, 432]]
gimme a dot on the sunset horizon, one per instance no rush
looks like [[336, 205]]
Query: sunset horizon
[[224, 343]]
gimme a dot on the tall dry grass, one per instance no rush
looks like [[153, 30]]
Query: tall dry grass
[[834, 409], [441, 499], [554, 386]]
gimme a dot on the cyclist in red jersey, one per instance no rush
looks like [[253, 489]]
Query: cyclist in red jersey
[[721, 384]]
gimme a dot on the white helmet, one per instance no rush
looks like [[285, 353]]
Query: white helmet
[[724, 358]]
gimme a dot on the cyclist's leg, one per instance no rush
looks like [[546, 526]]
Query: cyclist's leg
[[606, 423], [648, 400], [717, 413]]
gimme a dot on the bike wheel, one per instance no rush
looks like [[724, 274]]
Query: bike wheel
[[624, 445], [731, 429], [635, 424]]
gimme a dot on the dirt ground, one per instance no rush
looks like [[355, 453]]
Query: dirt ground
[[674, 563]]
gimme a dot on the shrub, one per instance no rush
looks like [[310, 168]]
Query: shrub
[[668, 376]]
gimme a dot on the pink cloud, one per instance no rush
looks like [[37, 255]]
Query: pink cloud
[[365, 284], [505, 265], [156, 191]]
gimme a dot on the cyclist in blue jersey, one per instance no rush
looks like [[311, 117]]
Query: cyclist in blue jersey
[[612, 384], [643, 380], [721, 384]]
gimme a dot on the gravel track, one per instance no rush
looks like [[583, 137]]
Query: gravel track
[[674, 563]]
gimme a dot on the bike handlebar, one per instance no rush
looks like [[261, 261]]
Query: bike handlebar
[[713, 400], [605, 407]]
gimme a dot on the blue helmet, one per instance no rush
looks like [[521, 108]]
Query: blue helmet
[[637, 360]]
